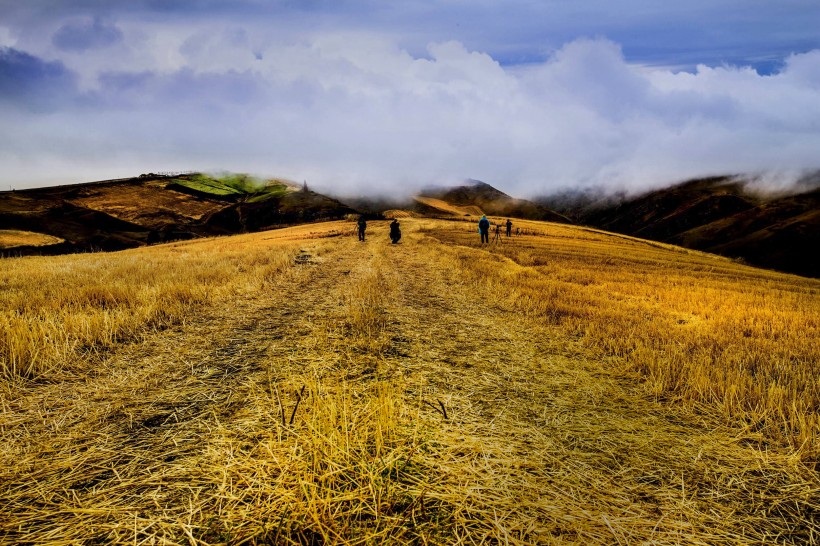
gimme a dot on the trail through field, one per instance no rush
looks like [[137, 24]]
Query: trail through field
[[507, 429]]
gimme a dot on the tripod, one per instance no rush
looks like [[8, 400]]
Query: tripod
[[497, 237]]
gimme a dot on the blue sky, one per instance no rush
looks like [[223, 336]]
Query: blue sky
[[364, 96]]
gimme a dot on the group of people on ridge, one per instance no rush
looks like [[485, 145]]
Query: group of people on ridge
[[395, 230], [484, 229]]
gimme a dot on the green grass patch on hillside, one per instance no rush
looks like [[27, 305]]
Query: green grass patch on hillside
[[205, 184], [273, 190], [236, 185]]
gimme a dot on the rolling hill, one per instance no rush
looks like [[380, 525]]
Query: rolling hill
[[722, 215], [476, 198], [126, 213]]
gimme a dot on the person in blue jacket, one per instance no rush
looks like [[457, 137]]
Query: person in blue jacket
[[484, 229]]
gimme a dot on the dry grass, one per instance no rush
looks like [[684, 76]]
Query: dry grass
[[10, 238], [449, 208], [146, 204], [399, 213], [326, 391], [57, 314], [702, 330]]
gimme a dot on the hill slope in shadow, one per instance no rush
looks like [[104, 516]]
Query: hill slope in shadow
[[126, 213], [724, 215]]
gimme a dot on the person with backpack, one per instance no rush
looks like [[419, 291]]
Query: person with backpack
[[395, 232], [484, 229], [362, 223]]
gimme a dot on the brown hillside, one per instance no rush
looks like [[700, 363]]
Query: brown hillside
[[782, 234], [431, 205], [126, 213], [716, 215], [488, 200]]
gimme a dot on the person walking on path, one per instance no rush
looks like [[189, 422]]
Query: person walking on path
[[395, 232], [484, 229], [362, 223], [509, 227]]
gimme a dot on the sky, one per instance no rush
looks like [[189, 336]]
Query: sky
[[366, 96]]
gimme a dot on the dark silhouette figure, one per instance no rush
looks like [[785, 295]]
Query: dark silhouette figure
[[395, 232], [509, 227], [362, 227], [484, 229]]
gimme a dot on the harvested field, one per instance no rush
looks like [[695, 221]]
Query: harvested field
[[10, 238], [399, 213], [561, 387], [129, 202], [448, 208]]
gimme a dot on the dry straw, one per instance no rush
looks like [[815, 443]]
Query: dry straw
[[300, 389]]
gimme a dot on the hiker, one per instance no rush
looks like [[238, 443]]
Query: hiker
[[362, 226], [395, 232], [484, 229]]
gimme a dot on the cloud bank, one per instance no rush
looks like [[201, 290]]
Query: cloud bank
[[355, 111], [84, 35]]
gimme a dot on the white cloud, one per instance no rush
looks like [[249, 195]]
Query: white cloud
[[354, 111], [804, 68], [7, 38]]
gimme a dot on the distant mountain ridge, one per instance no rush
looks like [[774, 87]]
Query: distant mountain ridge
[[721, 214], [131, 212], [476, 198], [724, 215]]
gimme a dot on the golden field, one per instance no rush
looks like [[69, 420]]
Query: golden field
[[10, 238], [299, 387], [698, 328]]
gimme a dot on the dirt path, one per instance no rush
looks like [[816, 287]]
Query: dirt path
[[523, 432]]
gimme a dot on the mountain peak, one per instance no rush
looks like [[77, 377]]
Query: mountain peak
[[484, 198]]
